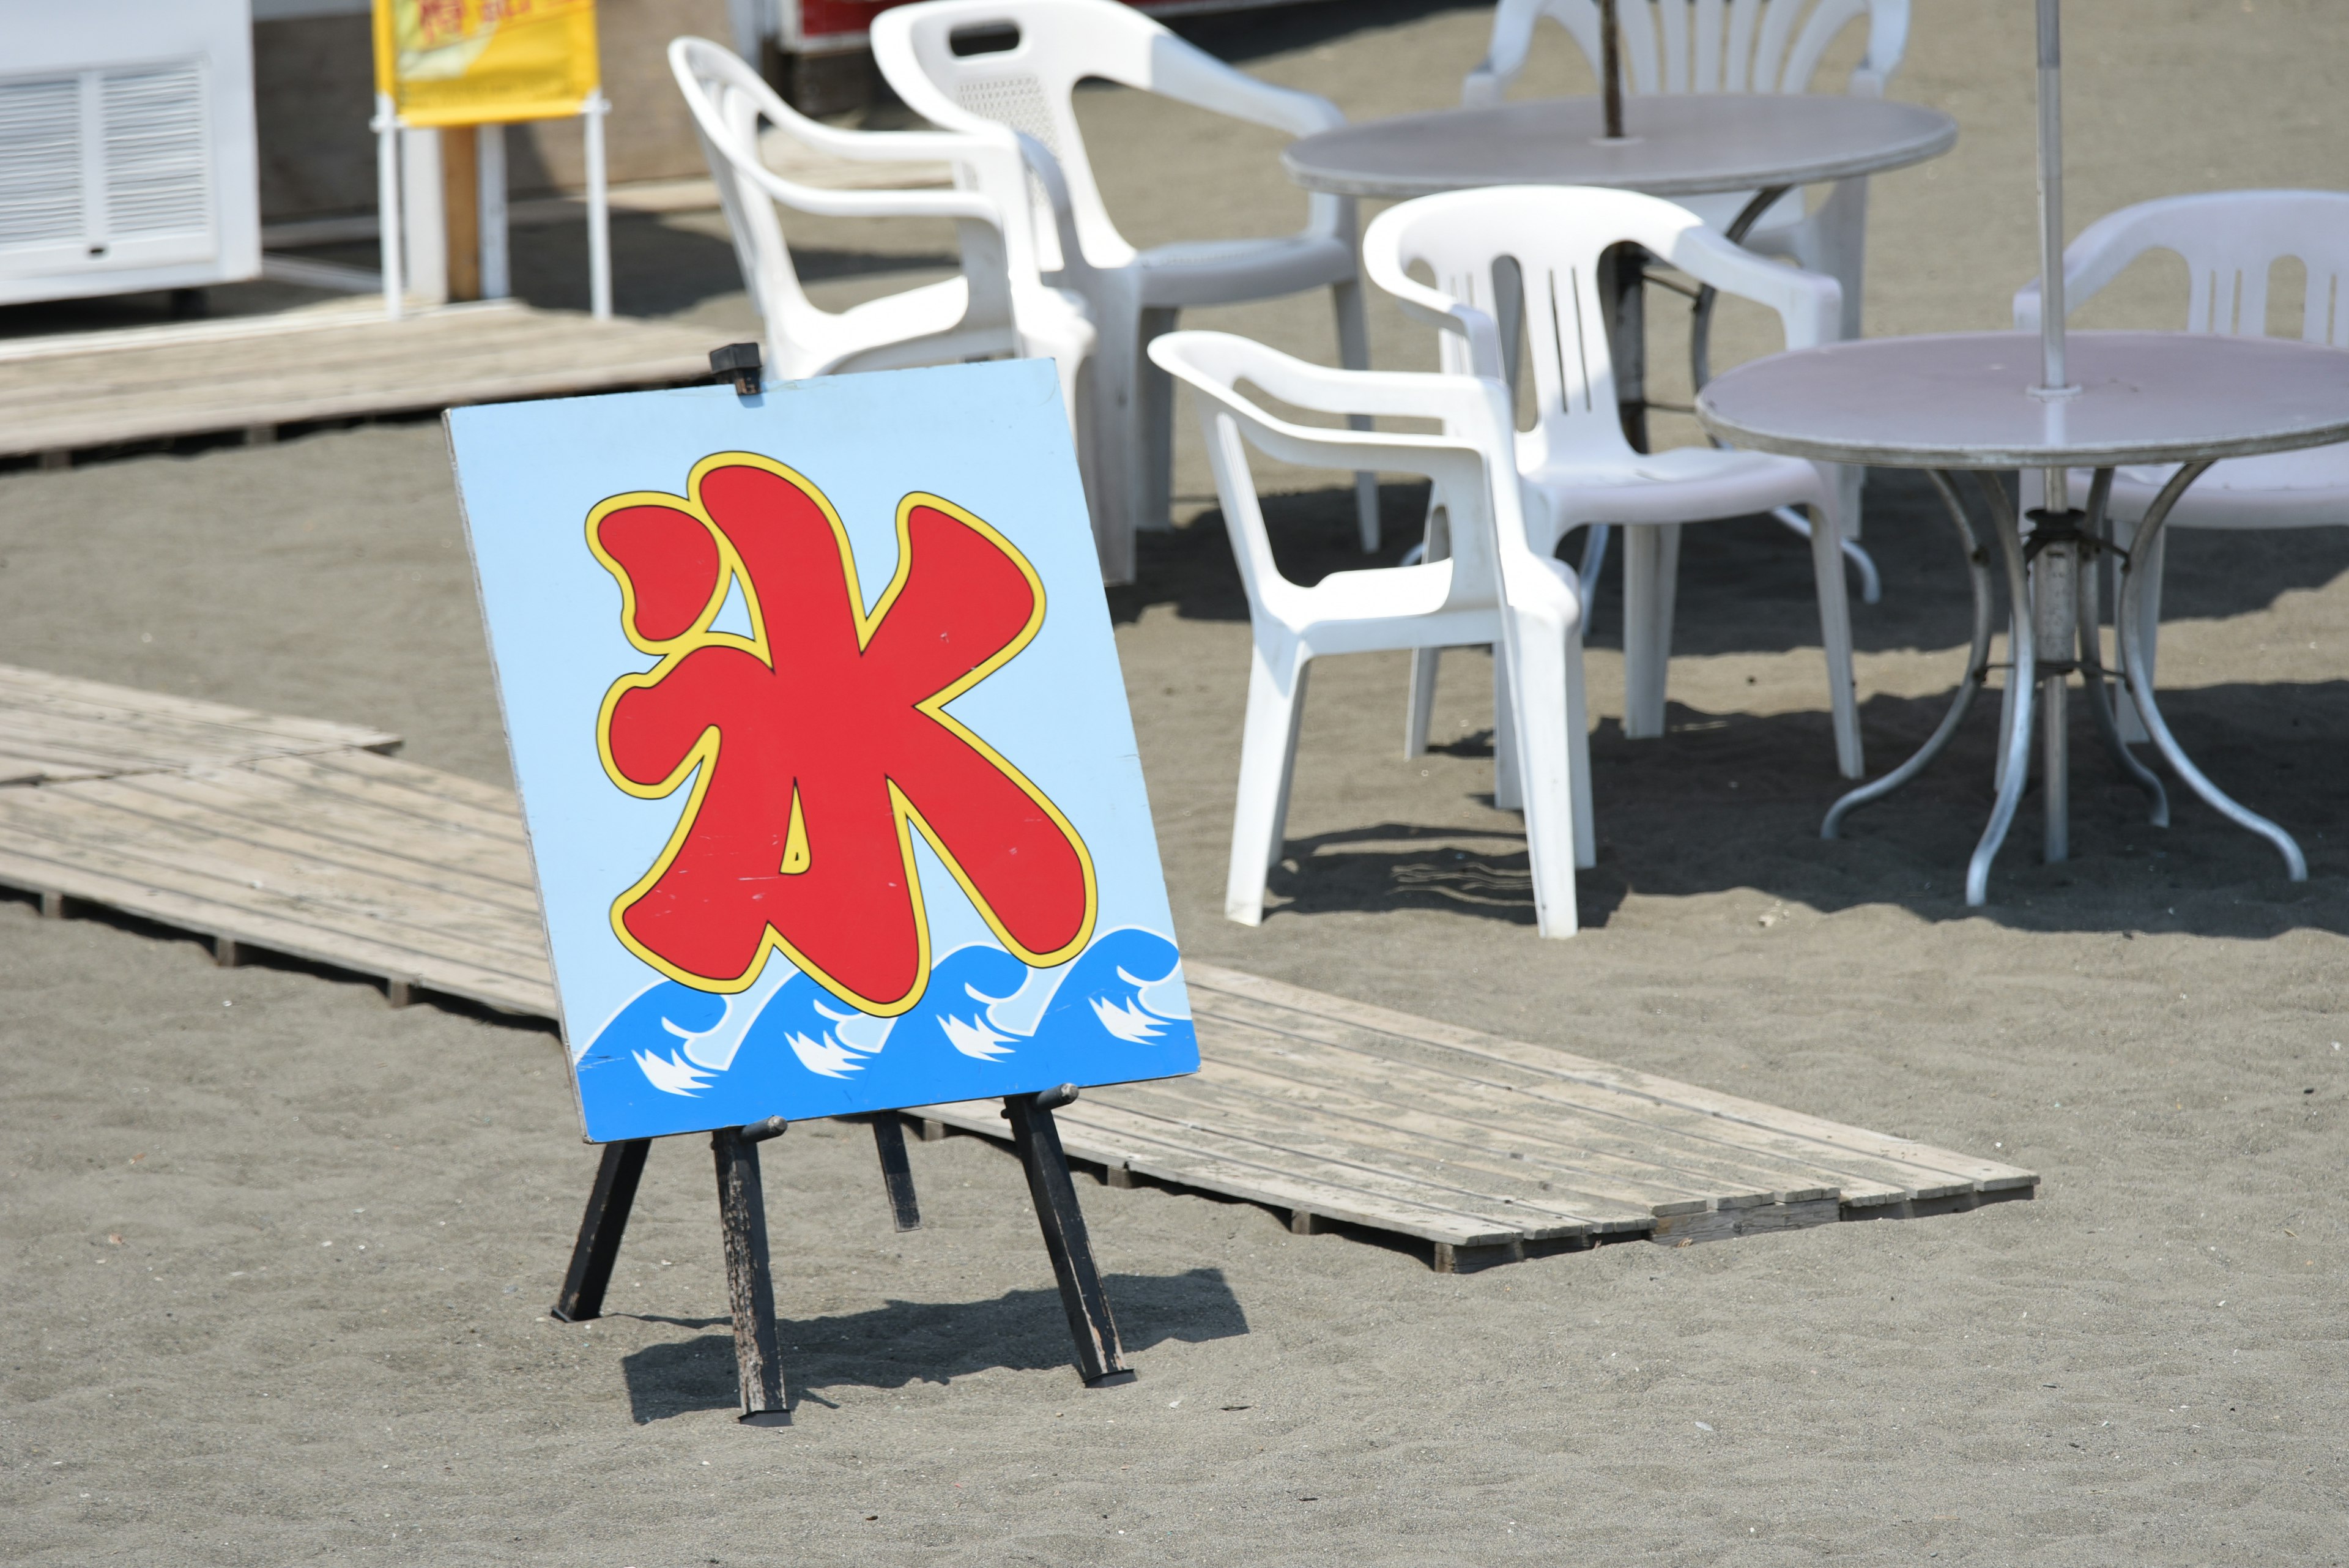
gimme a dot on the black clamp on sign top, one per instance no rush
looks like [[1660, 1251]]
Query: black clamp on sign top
[[738, 363]]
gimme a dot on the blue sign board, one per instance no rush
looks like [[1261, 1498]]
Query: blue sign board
[[823, 746]]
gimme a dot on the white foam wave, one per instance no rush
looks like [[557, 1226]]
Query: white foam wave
[[976, 1037], [1128, 1021], [827, 1056], [671, 1075]]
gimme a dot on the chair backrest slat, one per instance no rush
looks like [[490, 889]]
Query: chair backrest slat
[[1556, 240], [2230, 241], [1030, 84], [1704, 46]]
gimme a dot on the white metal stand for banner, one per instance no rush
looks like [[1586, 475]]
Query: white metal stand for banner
[[407, 193]]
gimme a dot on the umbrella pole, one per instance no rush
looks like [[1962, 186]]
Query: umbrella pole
[[2053, 380], [1610, 56]]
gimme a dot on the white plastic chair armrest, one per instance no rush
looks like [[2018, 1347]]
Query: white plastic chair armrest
[[973, 205], [2099, 254], [1809, 303], [882, 146], [1408, 394], [1505, 57], [1037, 159], [735, 144], [1434, 306], [2026, 305], [1190, 75], [1359, 451]]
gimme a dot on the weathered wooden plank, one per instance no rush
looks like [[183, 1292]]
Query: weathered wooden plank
[[245, 806], [1735, 1116], [1537, 1179], [1384, 1166], [147, 391], [293, 935], [426, 796], [90, 825], [55, 727], [1610, 1141], [1102, 1137], [1530, 1102]]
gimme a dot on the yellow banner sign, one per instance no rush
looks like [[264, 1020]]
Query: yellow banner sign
[[479, 62]]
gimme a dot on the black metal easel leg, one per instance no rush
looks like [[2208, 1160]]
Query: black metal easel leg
[[897, 1174], [751, 1293], [600, 1230], [1099, 1356]]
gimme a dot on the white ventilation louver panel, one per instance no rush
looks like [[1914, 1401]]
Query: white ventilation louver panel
[[107, 169], [127, 156], [41, 164], [156, 163]]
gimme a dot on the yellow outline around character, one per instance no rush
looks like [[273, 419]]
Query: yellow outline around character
[[704, 752]]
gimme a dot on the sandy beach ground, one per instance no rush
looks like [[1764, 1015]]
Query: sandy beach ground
[[277, 1257]]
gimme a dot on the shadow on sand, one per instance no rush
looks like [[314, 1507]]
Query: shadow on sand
[[1744, 583], [1726, 802], [1730, 801], [929, 1342]]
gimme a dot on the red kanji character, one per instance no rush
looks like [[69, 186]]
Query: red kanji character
[[818, 745]]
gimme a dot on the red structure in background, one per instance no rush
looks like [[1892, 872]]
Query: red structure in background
[[818, 26]]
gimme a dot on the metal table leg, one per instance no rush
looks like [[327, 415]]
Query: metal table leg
[[2015, 746], [2054, 557], [1977, 669], [2128, 638], [2093, 673]]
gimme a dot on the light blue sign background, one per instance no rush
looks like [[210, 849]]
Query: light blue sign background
[[650, 1056]]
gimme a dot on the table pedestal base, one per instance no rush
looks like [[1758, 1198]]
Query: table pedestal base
[[2051, 635]]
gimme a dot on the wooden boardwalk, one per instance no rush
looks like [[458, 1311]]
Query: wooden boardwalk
[[294, 837], [252, 375], [1486, 1148], [54, 728]]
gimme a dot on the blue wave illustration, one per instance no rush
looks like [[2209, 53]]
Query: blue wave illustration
[[957, 1006], [1116, 1012], [653, 1031], [1101, 999], [802, 1021]]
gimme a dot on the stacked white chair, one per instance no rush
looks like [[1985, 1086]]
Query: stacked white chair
[[996, 309], [1577, 466], [2230, 241], [1133, 294], [1491, 589], [1730, 45]]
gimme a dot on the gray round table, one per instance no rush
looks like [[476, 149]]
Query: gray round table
[[1681, 145], [1675, 144], [1965, 400], [1672, 145]]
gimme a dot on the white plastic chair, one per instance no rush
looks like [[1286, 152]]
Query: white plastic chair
[[1730, 45], [1577, 467], [996, 309], [2230, 240], [1492, 589], [1135, 295]]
